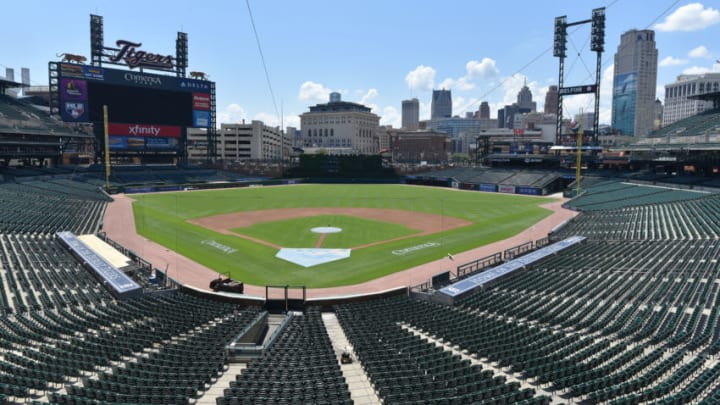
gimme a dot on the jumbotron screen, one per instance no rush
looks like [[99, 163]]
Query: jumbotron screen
[[145, 111], [138, 105]]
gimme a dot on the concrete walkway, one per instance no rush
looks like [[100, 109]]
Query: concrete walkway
[[218, 388], [361, 391]]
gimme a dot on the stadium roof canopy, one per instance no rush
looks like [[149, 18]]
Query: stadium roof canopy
[[714, 97], [9, 84]]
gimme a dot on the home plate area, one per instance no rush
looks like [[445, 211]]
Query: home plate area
[[312, 257], [309, 257]]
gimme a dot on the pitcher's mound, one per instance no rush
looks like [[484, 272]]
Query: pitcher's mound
[[326, 229]]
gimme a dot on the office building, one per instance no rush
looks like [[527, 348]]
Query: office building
[[340, 127], [677, 104], [238, 142], [551, 100], [634, 81], [484, 111], [441, 106], [525, 99], [410, 114]]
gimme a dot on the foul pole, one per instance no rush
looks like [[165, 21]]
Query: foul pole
[[107, 149]]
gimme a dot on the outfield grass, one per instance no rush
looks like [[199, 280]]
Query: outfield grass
[[163, 218]]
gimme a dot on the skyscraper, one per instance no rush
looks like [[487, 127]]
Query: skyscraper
[[524, 99], [484, 111], [441, 106], [551, 100], [410, 114], [634, 81]]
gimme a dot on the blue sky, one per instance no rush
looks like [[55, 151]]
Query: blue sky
[[373, 52]]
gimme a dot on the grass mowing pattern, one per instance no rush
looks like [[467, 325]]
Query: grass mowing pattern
[[296, 233], [162, 218]]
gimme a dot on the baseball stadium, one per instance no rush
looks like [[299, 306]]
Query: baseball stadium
[[129, 276]]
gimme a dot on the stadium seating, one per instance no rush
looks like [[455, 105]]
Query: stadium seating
[[695, 125], [476, 175], [632, 315], [301, 367]]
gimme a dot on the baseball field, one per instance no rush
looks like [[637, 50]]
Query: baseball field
[[387, 228]]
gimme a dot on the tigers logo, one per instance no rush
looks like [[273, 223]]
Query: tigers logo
[[72, 89]]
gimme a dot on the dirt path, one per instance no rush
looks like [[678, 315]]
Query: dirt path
[[119, 224], [320, 241]]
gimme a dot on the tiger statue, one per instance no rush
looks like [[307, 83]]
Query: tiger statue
[[198, 75], [72, 58]]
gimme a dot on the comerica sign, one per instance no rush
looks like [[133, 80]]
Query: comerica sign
[[134, 58]]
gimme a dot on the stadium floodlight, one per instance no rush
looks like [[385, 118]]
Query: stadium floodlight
[[597, 32], [560, 39]]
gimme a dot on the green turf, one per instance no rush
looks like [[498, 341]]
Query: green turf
[[297, 232], [163, 218]]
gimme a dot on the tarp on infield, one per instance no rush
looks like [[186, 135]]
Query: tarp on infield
[[465, 286], [312, 257]]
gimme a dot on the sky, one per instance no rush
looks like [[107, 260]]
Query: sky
[[271, 59]]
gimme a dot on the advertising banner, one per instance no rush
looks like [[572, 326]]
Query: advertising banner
[[623, 103], [202, 86], [201, 119], [73, 89], [201, 101], [506, 189], [144, 130], [528, 190], [82, 71], [161, 143], [73, 100], [488, 187], [126, 143]]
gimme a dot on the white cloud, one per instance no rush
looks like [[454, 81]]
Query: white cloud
[[425, 110], [391, 116], [311, 91], [231, 114], [691, 17], [660, 92], [606, 93], [369, 96], [462, 106], [448, 83], [540, 98], [422, 78], [461, 84], [670, 61], [268, 119], [698, 70], [292, 121], [699, 52], [484, 69], [513, 84], [574, 104]]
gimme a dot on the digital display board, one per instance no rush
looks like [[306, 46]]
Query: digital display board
[[147, 112]]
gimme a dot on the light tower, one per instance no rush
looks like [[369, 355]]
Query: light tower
[[597, 45]]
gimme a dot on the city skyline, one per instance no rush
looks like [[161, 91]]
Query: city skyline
[[376, 54]]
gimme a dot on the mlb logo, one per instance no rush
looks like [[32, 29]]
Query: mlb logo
[[75, 110]]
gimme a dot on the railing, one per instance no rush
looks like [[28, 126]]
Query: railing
[[475, 266]]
